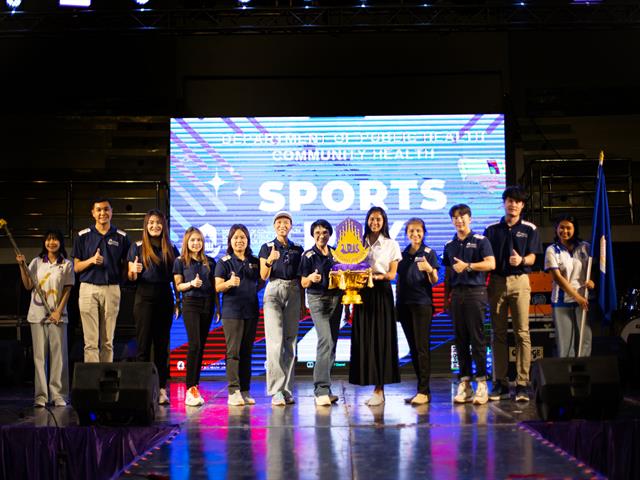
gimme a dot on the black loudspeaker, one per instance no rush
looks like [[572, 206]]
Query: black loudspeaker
[[115, 393], [585, 387]]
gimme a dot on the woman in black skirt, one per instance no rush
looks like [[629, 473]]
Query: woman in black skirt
[[374, 339]]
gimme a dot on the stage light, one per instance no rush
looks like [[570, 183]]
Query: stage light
[[75, 3], [142, 2], [13, 4]]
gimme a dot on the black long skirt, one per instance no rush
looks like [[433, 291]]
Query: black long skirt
[[374, 338]]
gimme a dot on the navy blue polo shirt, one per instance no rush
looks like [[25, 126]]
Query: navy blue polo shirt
[[522, 237], [413, 287], [189, 273], [113, 246], [240, 302], [286, 267], [473, 249], [313, 260], [161, 273]]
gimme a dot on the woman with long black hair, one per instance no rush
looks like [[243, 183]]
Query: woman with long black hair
[[374, 339], [151, 266]]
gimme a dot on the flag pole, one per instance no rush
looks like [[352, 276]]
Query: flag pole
[[583, 320]]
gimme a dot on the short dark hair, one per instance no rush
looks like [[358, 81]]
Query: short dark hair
[[321, 222], [516, 192], [415, 220], [100, 200], [385, 222], [567, 217], [460, 209], [58, 235]]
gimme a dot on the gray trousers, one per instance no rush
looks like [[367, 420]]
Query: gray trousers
[[326, 312], [281, 318], [567, 321], [50, 354]]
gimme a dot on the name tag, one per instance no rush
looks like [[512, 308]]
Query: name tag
[[113, 242]]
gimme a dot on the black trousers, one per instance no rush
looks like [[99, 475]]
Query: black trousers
[[469, 311], [197, 313], [416, 323], [153, 314], [239, 336]]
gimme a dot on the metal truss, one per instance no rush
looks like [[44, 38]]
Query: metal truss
[[443, 16]]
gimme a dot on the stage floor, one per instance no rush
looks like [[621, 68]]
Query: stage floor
[[348, 440]]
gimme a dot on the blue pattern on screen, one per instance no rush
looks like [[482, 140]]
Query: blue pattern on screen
[[244, 169]]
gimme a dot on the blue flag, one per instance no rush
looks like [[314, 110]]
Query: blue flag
[[602, 249]]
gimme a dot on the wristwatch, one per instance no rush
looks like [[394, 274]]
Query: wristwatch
[[469, 269]]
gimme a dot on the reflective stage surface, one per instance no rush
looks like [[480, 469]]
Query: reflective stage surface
[[347, 440]]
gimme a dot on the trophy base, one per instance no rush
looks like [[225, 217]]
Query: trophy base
[[351, 297]]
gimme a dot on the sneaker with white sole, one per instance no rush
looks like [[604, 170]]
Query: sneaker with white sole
[[248, 399], [163, 398], [499, 391], [288, 398], [193, 398], [60, 402], [278, 400], [482, 393], [235, 399], [420, 399], [376, 399], [464, 393], [323, 401], [39, 402], [522, 395]]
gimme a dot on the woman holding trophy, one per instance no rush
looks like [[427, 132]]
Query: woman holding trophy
[[374, 340]]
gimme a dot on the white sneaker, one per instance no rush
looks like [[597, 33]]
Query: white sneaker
[[376, 399], [235, 399], [482, 394], [323, 401], [465, 393], [193, 399], [278, 400], [39, 402], [60, 402], [248, 399], [163, 398], [420, 399]]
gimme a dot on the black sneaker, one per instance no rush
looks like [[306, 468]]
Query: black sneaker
[[522, 395], [499, 391]]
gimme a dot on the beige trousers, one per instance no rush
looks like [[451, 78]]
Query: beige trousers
[[510, 293], [99, 305]]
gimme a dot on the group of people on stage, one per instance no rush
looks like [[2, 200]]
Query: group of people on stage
[[102, 254]]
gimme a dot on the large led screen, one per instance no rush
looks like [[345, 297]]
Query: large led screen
[[244, 169]]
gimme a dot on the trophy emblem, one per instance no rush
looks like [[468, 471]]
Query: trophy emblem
[[351, 272]]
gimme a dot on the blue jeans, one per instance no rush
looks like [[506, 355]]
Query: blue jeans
[[326, 312], [567, 321], [281, 318]]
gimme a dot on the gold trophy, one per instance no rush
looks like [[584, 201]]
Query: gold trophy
[[351, 273]]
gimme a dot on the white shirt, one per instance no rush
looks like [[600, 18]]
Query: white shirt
[[572, 266], [382, 253], [52, 277]]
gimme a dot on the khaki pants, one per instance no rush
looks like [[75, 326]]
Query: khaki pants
[[99, 305], [510, 293]]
